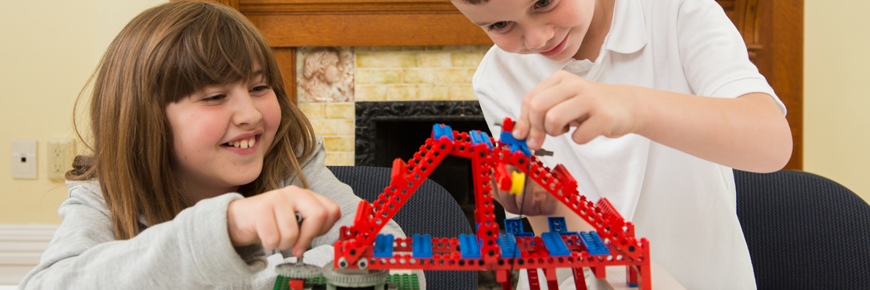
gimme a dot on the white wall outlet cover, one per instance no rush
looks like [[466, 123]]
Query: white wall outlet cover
[[24, 159]]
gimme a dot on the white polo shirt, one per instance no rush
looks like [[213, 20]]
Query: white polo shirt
[[684, 205]]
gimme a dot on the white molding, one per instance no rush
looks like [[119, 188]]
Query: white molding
[[21, 246]]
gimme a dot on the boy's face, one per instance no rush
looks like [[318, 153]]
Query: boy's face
[[552, 28]]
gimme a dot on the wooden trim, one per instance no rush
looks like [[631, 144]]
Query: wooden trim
[[286, 57], [787, 69]]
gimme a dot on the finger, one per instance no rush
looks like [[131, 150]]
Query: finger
[[285, 218], [267, 229], [332, 210], [542, 121], [314, 214], [522, 126]]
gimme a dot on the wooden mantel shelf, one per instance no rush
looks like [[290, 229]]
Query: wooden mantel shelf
[[300, 23]]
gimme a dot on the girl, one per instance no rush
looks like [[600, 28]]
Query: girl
[[200, 163], [659, 101]]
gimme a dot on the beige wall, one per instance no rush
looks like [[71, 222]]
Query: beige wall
[[49, 47], [836, 92]]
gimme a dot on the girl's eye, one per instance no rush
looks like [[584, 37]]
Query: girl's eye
[[542, 3], [498, 25], [215, 98], [259, 88]]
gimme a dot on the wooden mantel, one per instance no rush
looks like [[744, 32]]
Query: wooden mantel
[[772, 30]]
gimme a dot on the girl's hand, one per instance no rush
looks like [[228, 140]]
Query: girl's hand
[[565, 100], [270, 219], [534, 201]]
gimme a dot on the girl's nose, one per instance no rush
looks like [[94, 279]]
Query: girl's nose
[[247, 113]]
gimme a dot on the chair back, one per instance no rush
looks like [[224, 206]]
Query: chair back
[[804, 231], [431, 210]]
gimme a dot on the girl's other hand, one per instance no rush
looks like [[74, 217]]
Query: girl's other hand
[[270, 219], [565, 100], [534, 201]]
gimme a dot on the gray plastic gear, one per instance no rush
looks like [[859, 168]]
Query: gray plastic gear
[[354, 278], [298, 271]]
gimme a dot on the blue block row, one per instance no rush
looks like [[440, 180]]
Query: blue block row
[[383, 246], [515, 227], [469, 246], [593, 243], [478, 137], [555, 245], [422, 247], [441, 130], [508, 245]]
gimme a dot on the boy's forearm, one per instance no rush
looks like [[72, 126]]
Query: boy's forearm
[[747, 133]]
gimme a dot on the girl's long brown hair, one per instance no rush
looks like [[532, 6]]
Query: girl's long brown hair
[[163, 55]]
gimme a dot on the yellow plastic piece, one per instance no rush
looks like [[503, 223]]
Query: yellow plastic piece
[[518, 180]]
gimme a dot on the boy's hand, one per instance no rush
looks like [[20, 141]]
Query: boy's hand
[[534, 201], [270, 219], [565, 100]]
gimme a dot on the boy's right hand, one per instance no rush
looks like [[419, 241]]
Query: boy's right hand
[[270, 219], [534, 201]]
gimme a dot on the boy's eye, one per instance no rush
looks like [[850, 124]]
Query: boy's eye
[[542, 3], [498, 25]]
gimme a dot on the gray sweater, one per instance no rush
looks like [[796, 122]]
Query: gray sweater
[[192, 251]]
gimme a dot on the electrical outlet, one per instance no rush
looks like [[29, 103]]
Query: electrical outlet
[[60, 155], [24, 159]]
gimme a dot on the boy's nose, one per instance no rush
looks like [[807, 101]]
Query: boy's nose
[[536, 38]]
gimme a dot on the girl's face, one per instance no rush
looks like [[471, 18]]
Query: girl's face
[[552, 28], [221, 135]]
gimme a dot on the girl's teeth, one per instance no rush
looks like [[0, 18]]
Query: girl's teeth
[[244, 144], [251, 142]]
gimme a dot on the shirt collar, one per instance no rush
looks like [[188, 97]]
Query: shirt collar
[[628, 31]]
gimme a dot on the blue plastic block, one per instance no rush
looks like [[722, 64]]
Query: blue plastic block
[[557, 224], [441, 130], [508, 245], [478, 137], [555, 245], [422, 247], [515, 144], [515, 227], [593, 243], [469, 246], [383, 246]]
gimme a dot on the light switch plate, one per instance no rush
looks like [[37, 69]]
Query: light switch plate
[[24, 159]]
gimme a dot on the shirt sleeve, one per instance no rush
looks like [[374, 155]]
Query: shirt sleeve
[[714, 55], [192, 251]]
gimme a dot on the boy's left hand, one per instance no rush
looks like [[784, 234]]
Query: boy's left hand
[[565, 100]]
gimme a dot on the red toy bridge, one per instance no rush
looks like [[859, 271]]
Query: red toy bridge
[[612, 244]]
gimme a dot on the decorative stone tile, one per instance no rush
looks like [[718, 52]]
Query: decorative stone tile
[[435, 48], [345, 127], [331, 159], [453, 47], [419, 76], [311, 110], [362, 48], [371, 93], [435, 59], [402, 93], [433, 92], [339, 159], [471, 72], [362, 76], [371, 60], [402, 59], [466, 59], [484, 48], [325, 127], [339, 111], [386, 48], [414, 48], [451, 76], [324, 74], [387, 76], [462, 93], [338, 143]]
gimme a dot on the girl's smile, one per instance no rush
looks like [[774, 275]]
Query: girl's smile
[[244, 144]]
